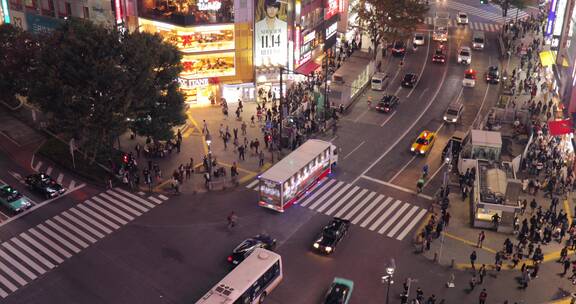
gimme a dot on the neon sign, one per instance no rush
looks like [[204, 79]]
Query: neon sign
[[209, 5], [4, 10]]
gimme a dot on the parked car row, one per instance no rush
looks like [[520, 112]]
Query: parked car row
[[14, 202]]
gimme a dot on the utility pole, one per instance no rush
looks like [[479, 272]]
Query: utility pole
[[281, 107], [326, 103]]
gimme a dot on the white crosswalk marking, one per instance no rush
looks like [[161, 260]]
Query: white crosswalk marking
[[49, 170], [393, 218], [326, 195], [385, 215], [72, 184], [33, 253], [128, 201], [8, 284], [17, 265], [41, 247], [60, 178], [44, 239], [103, 211], [71, 227], [365, 211], [155, 200], [162, 197], [3, 293], [12, 274], [86, 227], [413, 223], [493, 16], [112, 208], [322, 189], [57, 238], [333, 198], [91, 221], [359, 206], [67, 234], [24, 258], [138, 199], [252, 184], [342, 200], [120, 205], [402, 221], [351, 203], [38, 166]]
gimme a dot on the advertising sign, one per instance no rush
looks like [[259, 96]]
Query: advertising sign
[[205, 65], [4, 13], [41, 24], [270, 33], [560, 12], [331, 8], [551, 18], [19, 20]]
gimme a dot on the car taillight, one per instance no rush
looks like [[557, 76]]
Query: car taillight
[[229, 258]]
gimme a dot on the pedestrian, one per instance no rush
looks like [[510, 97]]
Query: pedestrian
[[481, 237], [483, 296], [232, 220], [446, 219], [473, 282], [138, 148], [563, 254], [431, 299], [473, 257], [243, 127], [261, 158], [566, 266], [482, 273]]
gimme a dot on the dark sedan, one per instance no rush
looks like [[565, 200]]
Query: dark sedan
[[409, 80], [45, 185], [439, 56], [492, 75], [387, 103], [331, 235], [244, 249], [398, 48]]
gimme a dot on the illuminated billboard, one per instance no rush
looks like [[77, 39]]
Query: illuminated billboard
[[208, 65], [270, 33], [331, 8]]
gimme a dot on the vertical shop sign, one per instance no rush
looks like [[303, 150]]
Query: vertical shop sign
[[270, 33], [4, 12]]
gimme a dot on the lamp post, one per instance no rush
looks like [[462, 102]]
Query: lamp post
[[388, 278], [208, 139]]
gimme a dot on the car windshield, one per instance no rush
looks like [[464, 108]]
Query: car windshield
[[246, 245], [408, 78], [337, 294], [438, 52], [464, 53], [398, 45], [11, 195], [463, 16], [422, 141], [419, 37], [452, 112], [478, 40]]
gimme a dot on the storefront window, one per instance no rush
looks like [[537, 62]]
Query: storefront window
[[188, 12], [208, 65]]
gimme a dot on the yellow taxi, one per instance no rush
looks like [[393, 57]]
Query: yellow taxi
[[423, 143]]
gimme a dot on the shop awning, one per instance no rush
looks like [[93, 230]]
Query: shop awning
[[560, 127], [307, 68], [548, 58]]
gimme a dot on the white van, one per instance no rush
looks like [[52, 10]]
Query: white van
[[478, 40], [380, 81]]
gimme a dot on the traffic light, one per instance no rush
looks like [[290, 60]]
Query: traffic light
[[125, 158]]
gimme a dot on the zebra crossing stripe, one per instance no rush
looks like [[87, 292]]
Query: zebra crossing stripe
[[318, 192], [402, 221], [373, 204], [43, 249], [67, 234], [8, 284], [98, 216], [138, 199], [57, 238], [49, 243], [38, 166], [326, 195], [12, 275], [333, 198], [60, 178], [33, 253], [120, 205], [89, 228], [351, 203], [49, 170], [24, 258], [17, 265], [155, 200], [413, 223], [130, 202], [141, 193], [72, 184], [162, 197], [3, 293], [112, 208], [359, 206], [252, 184], [342, 200], [77, 230], [385, 215], [92, 221], [393, 218]]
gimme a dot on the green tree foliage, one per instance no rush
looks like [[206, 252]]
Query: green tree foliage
[[97, 83], [389, 20], [17, 50]]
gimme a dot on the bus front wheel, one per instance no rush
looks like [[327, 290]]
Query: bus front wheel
[[262, 297]]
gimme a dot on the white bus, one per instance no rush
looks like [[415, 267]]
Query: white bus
[[282, 185], [250, 282]]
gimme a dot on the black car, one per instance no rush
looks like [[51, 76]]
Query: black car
[[244, 249], [492, 75], [387, 103], [409, 80], [331, 235], [398, 48], [45, 185], [439, 56]]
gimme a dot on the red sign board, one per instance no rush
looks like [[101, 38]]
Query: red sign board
[[331, 8]]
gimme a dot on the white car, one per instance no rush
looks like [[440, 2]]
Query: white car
[[418, 39], [465, 55], [469, 78], [462, 18]]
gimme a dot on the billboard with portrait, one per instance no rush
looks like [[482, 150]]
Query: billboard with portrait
[[270, 33]]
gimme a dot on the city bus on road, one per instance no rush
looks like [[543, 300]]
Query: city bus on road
[[284, 183], [250, 282]]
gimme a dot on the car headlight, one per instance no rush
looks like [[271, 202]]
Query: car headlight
[[316, 245], [445, 118], [412, 149], [328, 249], [422, 151], [453, 119]]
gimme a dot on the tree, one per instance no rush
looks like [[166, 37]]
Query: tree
[[17, 50], [389, 20], [96, 84], [505, 5]]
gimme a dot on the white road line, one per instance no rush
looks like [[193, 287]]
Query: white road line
[[65, 232], [372, 213], [318, 192], [162, 197], [129, 201], [428, 197], [402, 221], [98, 216], [105, 211], [3, 293], [114, 209], [333, 138], [422, 70], [357, 147], [38, 166], [331, 199], [17, 265], [90, 220], [84, 225], [47, 242], [57, 238], [252, 184], [402, 169], [60, 178], [141, 193], [351, 202], [49, 170], [424, 111], [134, 197], [413, 223], [366, 200], [72, 184], [8, 284], [45, 250], [120, 205], [24, 258], [77, 230], [385, 214], [393, 218], [342, 200], [367, 209], [388, 119], [434, 174], [155, 200], [33, 253]]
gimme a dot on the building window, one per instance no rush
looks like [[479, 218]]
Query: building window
[[86, 13]]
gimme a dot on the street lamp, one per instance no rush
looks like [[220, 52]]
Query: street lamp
[[388, 278], [208, 139]]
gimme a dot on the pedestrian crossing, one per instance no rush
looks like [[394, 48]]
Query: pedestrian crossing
[[475, 26], [40, 166], [42, 248], [376, 212], [495, 16]]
